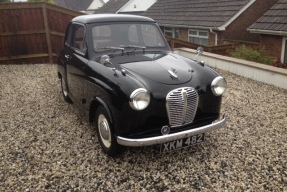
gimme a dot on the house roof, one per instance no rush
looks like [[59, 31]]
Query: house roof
[[112, 6], [215, 14], [274, 21], [74, 4]]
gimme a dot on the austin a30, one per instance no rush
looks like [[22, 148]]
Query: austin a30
[[122, 75]]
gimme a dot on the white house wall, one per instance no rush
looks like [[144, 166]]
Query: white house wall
[[137, 5], [95, 5]]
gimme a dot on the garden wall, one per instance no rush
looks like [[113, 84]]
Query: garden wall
[[256, 71]]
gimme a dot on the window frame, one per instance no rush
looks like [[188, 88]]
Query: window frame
[[159, 35], [284, 50], [173, 31], [197, 35]]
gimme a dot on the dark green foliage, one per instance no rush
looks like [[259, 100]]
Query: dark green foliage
[[250, 54], [5, 1]]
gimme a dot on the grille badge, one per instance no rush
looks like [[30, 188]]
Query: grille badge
[[165, 130]]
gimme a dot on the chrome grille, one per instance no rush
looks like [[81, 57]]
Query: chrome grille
[[181, 105]]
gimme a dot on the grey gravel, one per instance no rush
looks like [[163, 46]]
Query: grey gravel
[[45, 145]]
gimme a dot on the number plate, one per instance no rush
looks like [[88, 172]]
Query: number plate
[[181, 143]]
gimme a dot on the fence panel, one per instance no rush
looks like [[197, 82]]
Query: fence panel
[[219, 49], [32, 32]]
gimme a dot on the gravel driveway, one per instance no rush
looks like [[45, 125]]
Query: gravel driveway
[[45, 145]]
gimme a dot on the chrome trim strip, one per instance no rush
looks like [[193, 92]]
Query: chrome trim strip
[[184, 94], [171, 137]]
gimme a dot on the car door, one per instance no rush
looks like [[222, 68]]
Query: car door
[[77, 61]]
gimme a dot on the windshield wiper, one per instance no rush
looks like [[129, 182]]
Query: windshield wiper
[[113, 48], [133, 46]]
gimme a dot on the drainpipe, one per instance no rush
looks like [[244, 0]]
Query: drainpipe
[[215, 36]]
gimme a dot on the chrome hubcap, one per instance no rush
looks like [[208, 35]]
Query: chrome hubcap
[[65, 92], [104, 130]]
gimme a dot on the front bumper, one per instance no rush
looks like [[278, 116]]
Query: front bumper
[[171, 137]]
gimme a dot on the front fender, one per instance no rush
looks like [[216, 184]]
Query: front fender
[[95, 103]]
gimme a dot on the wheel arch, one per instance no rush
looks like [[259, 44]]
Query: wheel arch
[[95, 103]]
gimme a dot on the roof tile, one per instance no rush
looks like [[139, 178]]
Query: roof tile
[[112, 6], [199, 13], [274, 19], [74, 4]]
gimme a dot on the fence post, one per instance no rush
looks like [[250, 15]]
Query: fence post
[[172, 43], [47, 30]]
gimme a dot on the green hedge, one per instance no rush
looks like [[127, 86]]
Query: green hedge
[[250, 54]]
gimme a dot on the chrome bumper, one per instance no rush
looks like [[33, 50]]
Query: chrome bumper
[[171, 137]]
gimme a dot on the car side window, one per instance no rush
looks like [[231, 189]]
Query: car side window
[[79, 39]]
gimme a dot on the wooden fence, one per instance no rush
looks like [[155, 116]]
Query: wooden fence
[[32, 32], [219, 49]]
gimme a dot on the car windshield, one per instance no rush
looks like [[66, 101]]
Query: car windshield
[[126, 35]]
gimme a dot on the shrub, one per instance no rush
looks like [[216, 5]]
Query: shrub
[[250, 54]]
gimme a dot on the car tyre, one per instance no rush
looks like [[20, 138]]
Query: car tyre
[[105, 133], [65, 91]]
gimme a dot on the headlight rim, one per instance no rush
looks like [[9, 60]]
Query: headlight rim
[[214, 85], [133, 96]]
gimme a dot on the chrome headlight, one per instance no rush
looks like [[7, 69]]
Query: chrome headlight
[[139, 99], [218, 86]]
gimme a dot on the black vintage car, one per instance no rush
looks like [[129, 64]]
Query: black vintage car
[[122, 75]]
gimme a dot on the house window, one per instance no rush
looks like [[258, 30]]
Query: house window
[[171, 32], [198, 37]]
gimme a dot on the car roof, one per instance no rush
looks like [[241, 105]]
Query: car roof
[[95, 18]]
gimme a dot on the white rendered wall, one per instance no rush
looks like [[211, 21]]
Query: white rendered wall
[[137, 5], [256, 71], [95, 5]]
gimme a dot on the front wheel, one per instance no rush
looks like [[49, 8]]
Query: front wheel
[[105, 133]]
